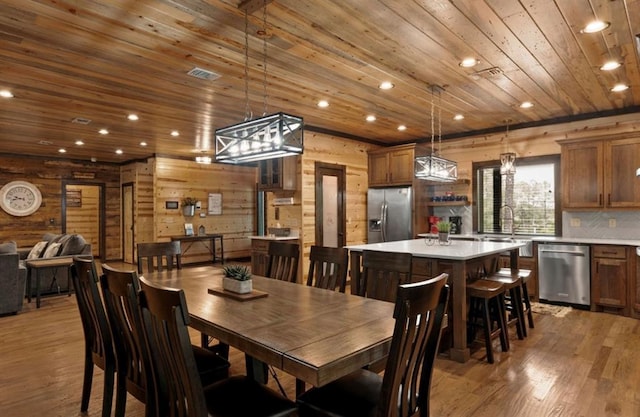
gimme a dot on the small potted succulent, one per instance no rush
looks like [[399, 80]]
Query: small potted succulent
[[237, 278], [189, 206], [443, 231]]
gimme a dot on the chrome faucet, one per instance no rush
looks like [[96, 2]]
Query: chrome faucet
[[508, 208]]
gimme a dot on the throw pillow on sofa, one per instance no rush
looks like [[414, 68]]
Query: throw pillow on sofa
[[52, 250], [73, 245], [37, 249], [9, 247]]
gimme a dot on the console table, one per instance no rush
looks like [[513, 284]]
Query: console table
[[188, 241], [35, 265]]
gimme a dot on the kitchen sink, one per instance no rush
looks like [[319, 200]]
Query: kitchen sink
[[524, 251]]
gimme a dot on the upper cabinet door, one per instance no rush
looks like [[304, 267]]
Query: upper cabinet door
[[582, 175], [622, 187], [391, 166]]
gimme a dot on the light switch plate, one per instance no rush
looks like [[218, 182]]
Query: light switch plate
[[612, 223]]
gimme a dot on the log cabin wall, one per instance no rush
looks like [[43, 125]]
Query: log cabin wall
[[83, 213], [175, 179], [301, 215], [48, 174]]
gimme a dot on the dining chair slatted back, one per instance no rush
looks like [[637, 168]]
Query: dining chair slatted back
[[283, 261], [328, 268], [97, 336], [404, 389], [382, 272], [157, 253], [180, 391], [120, 292]]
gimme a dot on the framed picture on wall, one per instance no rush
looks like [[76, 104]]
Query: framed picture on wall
[[215, 203]]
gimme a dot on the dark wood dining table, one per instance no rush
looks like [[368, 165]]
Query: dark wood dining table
[[313, 334]]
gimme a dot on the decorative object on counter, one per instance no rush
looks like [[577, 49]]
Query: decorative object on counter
[[201, 230], [456, 225], [433, 167], [188, 229], [507, 159], [433, 224], [268, 137], [443, 232], [189, 206], [279, 231], [237, 278]]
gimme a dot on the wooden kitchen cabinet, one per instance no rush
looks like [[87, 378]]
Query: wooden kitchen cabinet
[[609, 273], [392, 166], [278, 174], [600, 174]]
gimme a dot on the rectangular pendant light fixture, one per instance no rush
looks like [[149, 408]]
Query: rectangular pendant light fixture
[[268, 137], [435, 168]]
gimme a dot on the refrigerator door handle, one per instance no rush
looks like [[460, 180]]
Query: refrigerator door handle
[[383, 218]]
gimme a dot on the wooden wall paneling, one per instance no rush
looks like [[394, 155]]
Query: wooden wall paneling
[[83, 216], [47, 174], [176, 179]]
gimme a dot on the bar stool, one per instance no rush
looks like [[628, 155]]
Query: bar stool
[[513, 303], [525, 275], [486, 307]]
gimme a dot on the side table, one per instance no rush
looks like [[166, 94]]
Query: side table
[[35, 265]]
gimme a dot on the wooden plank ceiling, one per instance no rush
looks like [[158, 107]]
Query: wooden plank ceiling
[[103, 59]]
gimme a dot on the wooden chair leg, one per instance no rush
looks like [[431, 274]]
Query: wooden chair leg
[[87, 382]]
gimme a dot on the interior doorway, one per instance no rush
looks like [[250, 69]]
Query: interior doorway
[[330, 184], [127, 223], [83, 208]]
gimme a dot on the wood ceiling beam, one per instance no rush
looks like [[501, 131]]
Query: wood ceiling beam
[[252, 5]]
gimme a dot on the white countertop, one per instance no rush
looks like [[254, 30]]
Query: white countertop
[[267, 237], [552, 239], [459, 250]]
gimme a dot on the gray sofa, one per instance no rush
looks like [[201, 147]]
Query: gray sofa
[[54, 280], [13, 277]]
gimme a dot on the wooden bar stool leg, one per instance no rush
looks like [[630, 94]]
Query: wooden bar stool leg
[[502, 323], [527, 304], [487, 329]]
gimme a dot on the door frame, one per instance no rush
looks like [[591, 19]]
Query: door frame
[[324, 169], [102, 211], [133, 223]]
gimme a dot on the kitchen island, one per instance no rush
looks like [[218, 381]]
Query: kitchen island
[[458, 259]]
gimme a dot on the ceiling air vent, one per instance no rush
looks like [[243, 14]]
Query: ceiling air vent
[[486, 73], [203, 74], [81, 120]]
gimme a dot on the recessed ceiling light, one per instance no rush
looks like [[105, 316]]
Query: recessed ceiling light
[[143, 143], [119, 151], [132, 117], [103, 131], [595, 26], [323, 103], [175, 133], [468, 62], [458, 117], [619, 87], [526, 105], [79, 142], [386, 85], [402, 128], [6, 94], [610, 65], [62, 150], [371, 118]]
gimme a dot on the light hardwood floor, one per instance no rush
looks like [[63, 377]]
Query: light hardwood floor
[[584, 364]]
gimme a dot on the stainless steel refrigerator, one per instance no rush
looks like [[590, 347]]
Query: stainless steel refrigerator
[[389, 214]]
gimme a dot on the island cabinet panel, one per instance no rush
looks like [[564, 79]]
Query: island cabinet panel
[[609, 272], [601, 174], [393, 166], [526, 262]]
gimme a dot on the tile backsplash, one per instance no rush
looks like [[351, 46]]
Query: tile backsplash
[[601, 224]]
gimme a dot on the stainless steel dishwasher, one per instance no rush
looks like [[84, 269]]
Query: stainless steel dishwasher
[[564, 273]]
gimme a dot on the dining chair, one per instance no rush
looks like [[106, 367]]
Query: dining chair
[[328, 268], [283, 261], [382, 272], [179, 390], [98, 345], [120, 291], [156, 252], [404, 389]]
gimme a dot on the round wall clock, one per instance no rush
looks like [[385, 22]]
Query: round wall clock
[[20, 198]]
